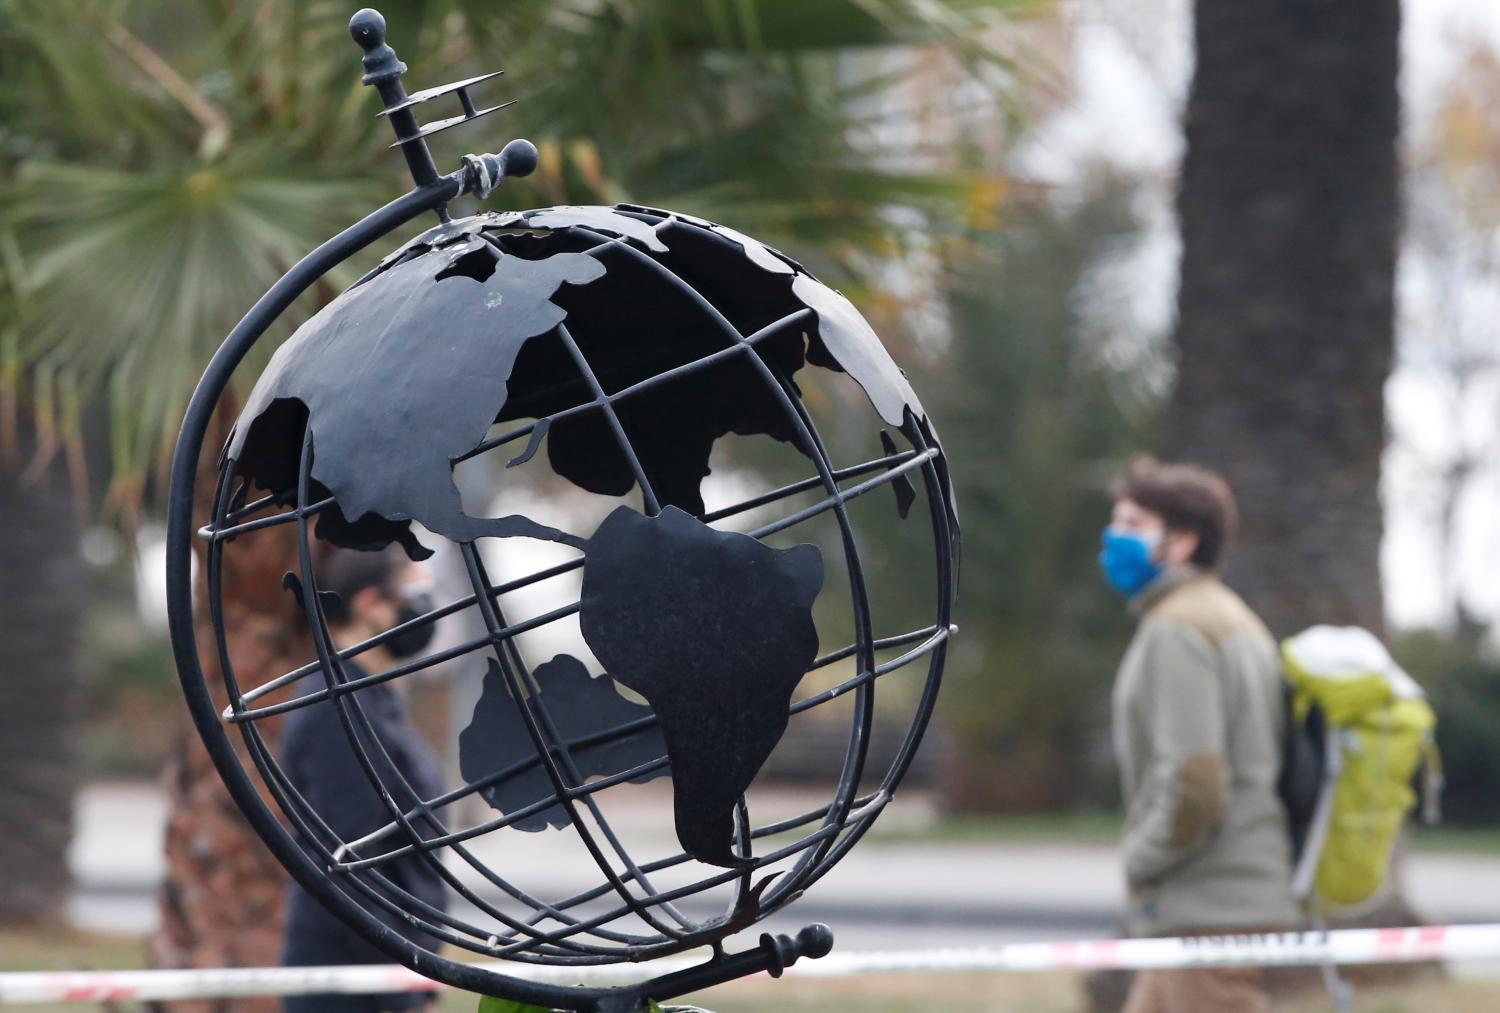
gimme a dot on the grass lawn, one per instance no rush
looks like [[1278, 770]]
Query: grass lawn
[[883, 994], [1456, 840], [65, 949], [1049, 992]]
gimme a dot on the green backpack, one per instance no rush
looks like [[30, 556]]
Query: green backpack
[[1358, 730]]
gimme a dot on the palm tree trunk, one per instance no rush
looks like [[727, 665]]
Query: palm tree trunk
[[39, 692], [221, 900], [1288, 206], [1289, 215]]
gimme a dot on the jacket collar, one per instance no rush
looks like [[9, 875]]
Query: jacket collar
[[1154, 593]]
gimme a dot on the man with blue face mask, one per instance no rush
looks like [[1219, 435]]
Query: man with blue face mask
[[1197, 720]]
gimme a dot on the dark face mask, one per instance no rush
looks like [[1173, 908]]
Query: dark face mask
[[415, 640]]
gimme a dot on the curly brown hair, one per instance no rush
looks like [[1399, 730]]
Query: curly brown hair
[[1188, 497]]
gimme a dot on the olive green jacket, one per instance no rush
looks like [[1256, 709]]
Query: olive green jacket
[[1197, 717]]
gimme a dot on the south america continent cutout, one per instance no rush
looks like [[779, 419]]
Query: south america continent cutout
[[715, 630]]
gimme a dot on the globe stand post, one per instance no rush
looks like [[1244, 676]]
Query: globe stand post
[[773, 956]]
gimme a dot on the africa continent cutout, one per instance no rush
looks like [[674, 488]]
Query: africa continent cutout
[[584, 710]]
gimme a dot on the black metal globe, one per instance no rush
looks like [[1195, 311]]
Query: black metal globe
[[627, 341], [630, 340]]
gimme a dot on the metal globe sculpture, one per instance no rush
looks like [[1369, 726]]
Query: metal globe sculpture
[[621, 344]]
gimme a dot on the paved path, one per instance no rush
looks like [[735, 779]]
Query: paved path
[[885, 894]]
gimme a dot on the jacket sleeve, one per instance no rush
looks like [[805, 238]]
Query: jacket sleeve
[[1180, 802]]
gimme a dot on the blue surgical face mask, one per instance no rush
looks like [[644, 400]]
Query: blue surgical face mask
[[1126, 560]]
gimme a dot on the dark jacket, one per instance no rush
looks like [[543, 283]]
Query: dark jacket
[[321, 763]]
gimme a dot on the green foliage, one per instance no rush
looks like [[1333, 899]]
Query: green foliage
[[1460, 670], [1035, 423], [128, 682], [157, 193]]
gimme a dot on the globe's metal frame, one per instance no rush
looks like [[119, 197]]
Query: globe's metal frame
[[330, 868]]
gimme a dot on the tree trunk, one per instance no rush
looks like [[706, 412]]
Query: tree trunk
[[221, 901], [45, 589], [1289, 215], [1288, 207]]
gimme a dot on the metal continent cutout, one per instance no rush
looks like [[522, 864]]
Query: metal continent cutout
[[591, 216], [401, 375], [581, 707], [767, 258], [445, 235], [842, 340], [632, 326], [405, 371], [715, 630], [849, 342]]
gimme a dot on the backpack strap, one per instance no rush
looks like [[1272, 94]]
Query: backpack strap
[[1432, 782], [1317, 833], [1300, 781]]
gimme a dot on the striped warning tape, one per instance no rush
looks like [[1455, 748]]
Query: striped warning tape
[[1343, 946]]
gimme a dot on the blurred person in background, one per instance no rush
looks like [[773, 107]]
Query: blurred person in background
[[371, 593], [1197, 716]]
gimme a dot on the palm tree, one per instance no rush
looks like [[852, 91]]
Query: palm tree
[[38, 689], [173, 175], [1289, 208], [1289, 211], [150, 206]]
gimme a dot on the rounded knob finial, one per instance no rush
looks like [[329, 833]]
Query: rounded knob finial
[[367, 28], [816, 940], [518, 158]]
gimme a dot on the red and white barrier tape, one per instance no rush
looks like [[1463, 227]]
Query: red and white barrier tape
[[1344, 946]]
